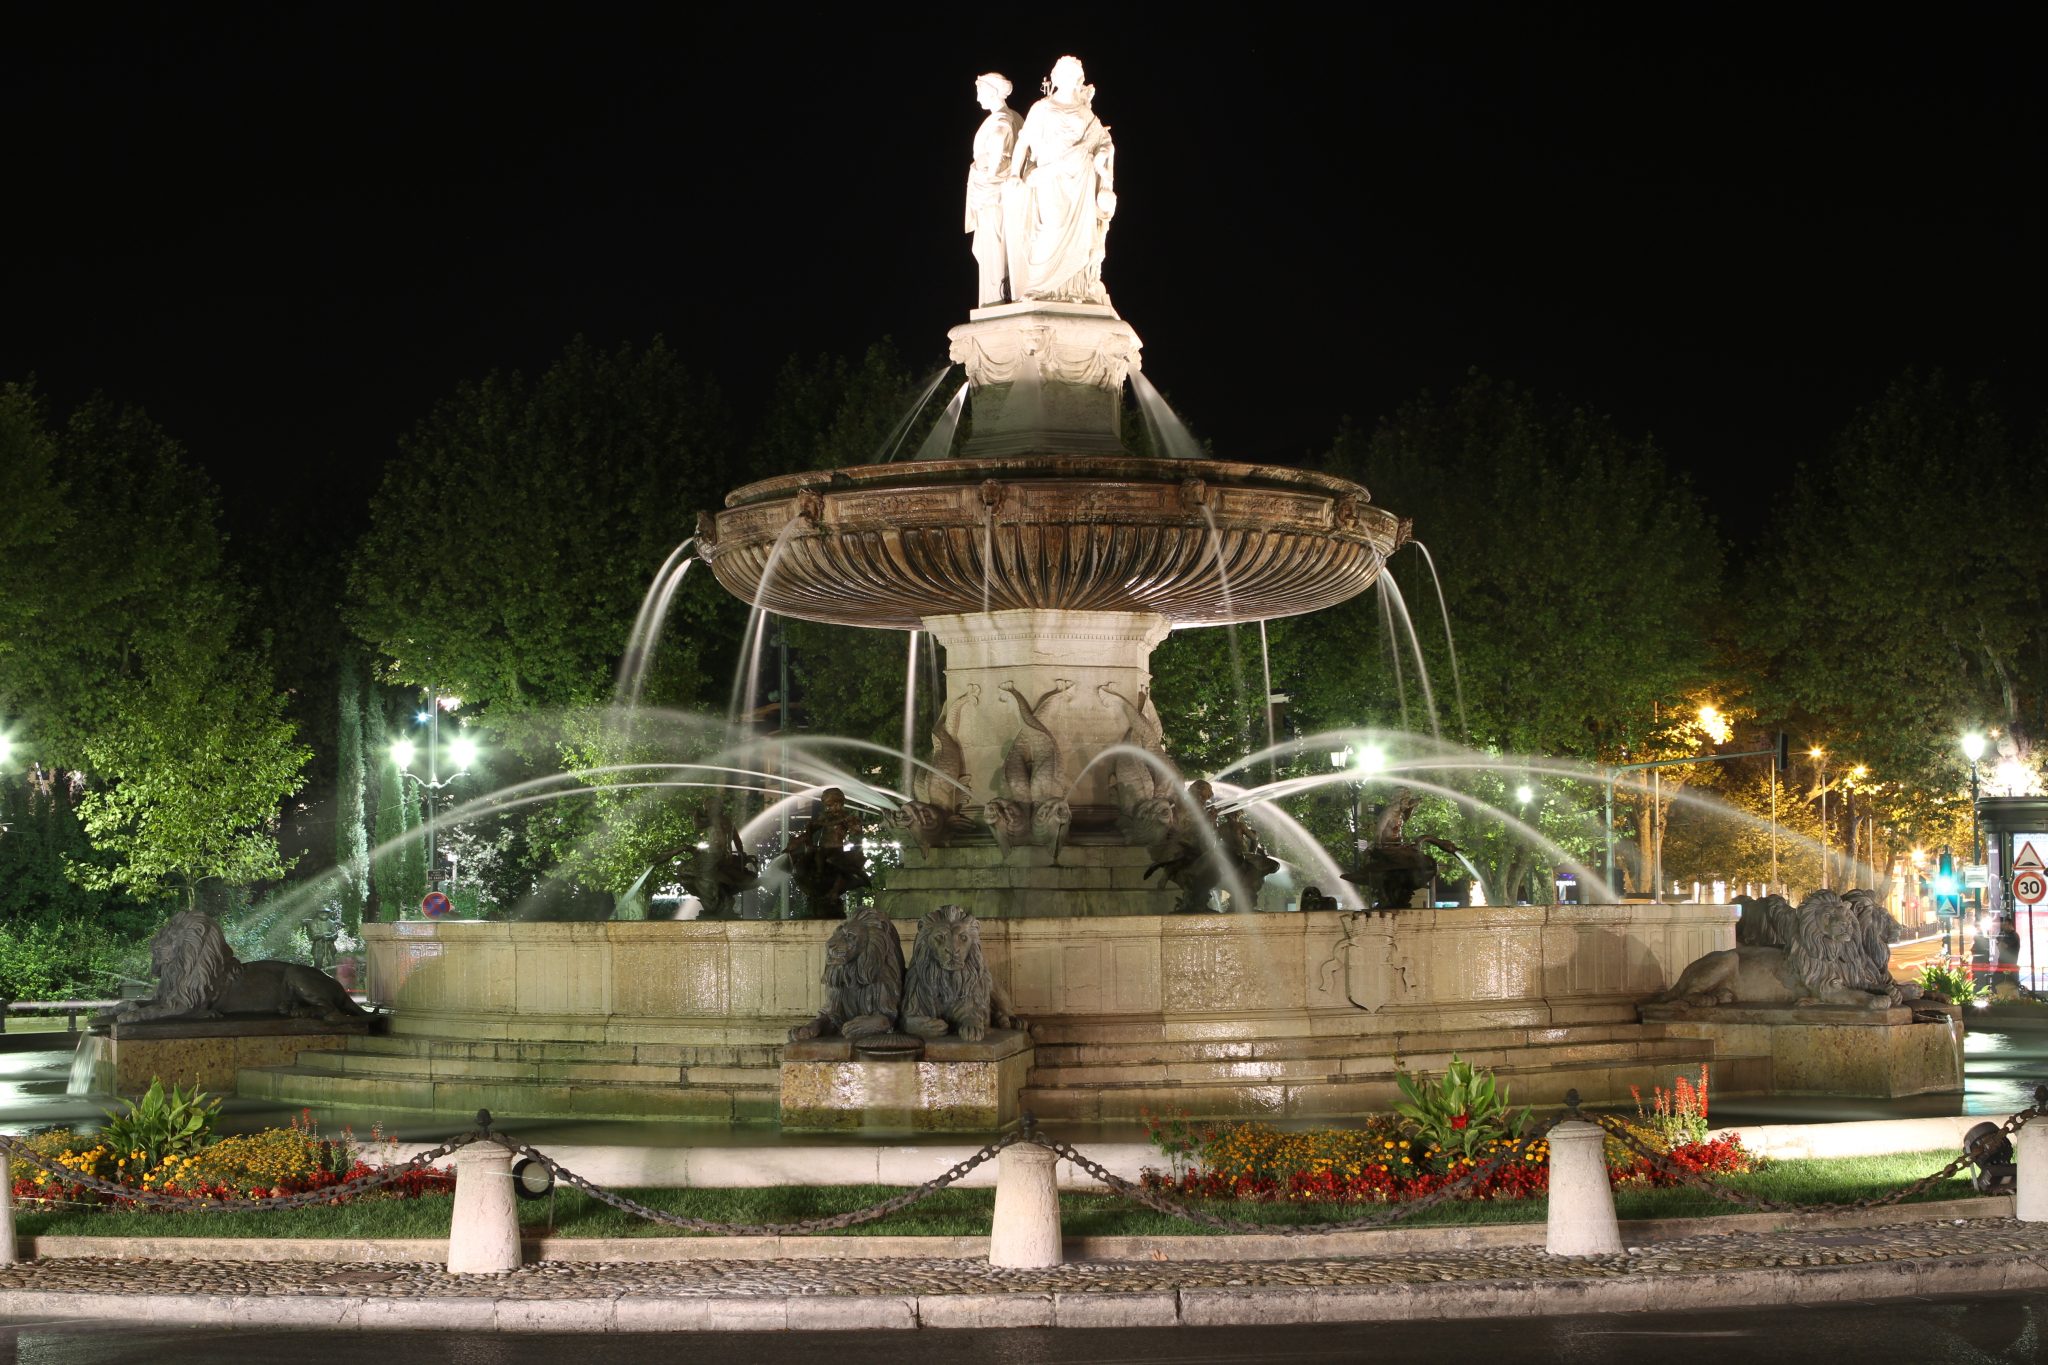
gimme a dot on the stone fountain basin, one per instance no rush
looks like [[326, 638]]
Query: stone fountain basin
[[1199, 542]]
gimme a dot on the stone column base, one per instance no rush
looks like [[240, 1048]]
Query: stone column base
[[957, 1087]]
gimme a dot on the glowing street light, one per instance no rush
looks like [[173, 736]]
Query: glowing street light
[[1714, 724], [1524, 794], [462, 750], [6, 750]]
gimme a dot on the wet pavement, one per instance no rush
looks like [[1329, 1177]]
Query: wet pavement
[[1973, 1329]]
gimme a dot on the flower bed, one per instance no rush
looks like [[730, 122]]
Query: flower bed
[[1441, 1134], [267, 1164]]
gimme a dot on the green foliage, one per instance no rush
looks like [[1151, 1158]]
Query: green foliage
[[1461, 1111], [1892, 612], [828, 412], [64, 958], [43, 840], [196, 755], [514, 536], [140, 564], [351, 834], [1958, 988], [162, 1123], [33, 515], [1570, 628]]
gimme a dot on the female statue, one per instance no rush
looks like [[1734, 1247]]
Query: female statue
[[1064, 167]]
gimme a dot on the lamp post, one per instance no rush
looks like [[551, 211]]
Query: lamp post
[[1973, 749], [1820, 768], [463, 753], [1359, 764], [1849, 781], [1524, 794]]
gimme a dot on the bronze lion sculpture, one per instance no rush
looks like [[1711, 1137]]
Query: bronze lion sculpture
[[199, 977], [949, 985], [1822, 965], [1766, 921], [863, 979]]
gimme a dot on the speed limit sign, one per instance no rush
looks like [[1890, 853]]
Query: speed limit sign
[[2030, 887]]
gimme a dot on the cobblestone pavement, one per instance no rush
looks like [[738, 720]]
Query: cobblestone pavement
[[1907, 1241]]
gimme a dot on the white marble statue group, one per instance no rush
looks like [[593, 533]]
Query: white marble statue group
[[1041, 191]]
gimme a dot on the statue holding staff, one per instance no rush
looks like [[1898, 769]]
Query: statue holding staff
[[1063, 177]]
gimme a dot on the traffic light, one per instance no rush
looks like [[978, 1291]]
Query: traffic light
[[1948, 887], [1784, 758]]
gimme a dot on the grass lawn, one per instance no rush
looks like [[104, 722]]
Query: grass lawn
[[958, 1212]]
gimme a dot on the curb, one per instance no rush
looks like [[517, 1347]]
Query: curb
[[1772, 1286], [1222, 1247]]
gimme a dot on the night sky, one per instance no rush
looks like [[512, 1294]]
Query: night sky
[[286, 231]]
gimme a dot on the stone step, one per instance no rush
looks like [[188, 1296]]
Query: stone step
[[1116, 1029], [1350, 1097], [1225, 1071], [481, 1069], [1466, 1043], [510, 1099], [1333, 1066], [644, 1054]]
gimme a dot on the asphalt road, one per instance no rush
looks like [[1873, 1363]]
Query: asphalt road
[[1953, 1331]]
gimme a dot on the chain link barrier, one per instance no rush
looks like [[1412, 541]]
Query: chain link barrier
[[1159, 1202], [833, 1223], [1156, 1200], [1973, 1154]]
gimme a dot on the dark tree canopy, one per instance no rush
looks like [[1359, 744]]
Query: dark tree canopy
[[522, 521]]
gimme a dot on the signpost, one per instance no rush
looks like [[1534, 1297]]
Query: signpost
[[436, 905]]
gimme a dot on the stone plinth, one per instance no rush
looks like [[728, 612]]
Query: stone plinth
[[1026, 883], [1046, 377], [209, 1052], [1829, 1049], [1035, 652], [955, 1087]]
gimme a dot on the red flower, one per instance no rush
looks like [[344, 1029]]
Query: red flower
[[1461, 1120]]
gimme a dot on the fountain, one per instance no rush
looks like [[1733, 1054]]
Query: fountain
[[1047, 562]]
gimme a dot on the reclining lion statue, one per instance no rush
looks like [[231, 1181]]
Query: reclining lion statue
[[949, 986], [199, 977], [1822, 965], [863, 979]]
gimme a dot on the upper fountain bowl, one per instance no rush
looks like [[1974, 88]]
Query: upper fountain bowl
[[1199, 542]]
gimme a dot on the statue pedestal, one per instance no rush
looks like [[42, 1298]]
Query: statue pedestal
[[956, 1087], [207, 1052], [1047, 377], [1034, 650], [1828, 1049], [1025, 883]]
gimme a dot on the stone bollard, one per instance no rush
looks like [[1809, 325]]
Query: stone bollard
[[1581, 1216], [7, 1250], [483, 1235], [2030, 1153], [1026, 1232]]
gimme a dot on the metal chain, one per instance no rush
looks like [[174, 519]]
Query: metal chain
[[1699, 1180], [833, 1223], [1392, 1213], [16, 1150]]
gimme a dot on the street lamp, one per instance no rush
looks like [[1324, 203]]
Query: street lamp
[[1358, 765], [464, 753], [1973, 749], [1820, 768]]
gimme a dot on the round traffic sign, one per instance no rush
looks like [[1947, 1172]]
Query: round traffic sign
[[2030, 886], [436, 905]]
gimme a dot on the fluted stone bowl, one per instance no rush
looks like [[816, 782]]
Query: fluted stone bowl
[[1200, 542]]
